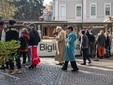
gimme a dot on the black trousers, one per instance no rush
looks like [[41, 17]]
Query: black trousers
[[24, 55], [92, 50], [85, 55], [73, 65]]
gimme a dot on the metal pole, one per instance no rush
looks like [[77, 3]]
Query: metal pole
[[82, 11]]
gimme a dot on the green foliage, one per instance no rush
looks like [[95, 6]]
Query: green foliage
[[9, 48], [21, 9], [7, 10], [28, 9]]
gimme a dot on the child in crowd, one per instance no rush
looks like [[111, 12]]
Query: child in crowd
[[23, 51]]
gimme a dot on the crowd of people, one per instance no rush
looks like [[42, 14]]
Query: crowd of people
[[100, 45], [29, 39], [90, 46]]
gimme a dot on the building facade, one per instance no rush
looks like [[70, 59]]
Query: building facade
[[82, 10]]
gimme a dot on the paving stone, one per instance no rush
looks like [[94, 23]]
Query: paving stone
[[47, 73]]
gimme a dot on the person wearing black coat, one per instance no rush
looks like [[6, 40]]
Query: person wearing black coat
[[92, 45], [34, 39], [107, 45], [8, 34]]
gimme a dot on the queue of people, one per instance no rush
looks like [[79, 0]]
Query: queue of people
[[90, 46], [29, 39], [65, 46]]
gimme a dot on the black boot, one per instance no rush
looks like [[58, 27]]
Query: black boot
[[83, 63], [74, 66], [64, 68], [74, 70], [65, 65], [31, 67], [35, 66]]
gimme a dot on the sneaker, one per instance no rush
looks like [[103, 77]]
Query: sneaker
[[20, 71], [12, 72]]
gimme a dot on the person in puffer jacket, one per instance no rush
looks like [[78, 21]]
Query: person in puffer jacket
[[23, 51]]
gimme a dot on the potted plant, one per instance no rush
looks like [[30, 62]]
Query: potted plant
[[8, 48]]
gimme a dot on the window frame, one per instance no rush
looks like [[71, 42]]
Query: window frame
[[105, 4], [78, 17], [62, 17], [93, 16]]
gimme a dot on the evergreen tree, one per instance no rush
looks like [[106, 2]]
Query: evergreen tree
[[28, 9]]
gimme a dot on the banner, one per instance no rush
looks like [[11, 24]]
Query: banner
[[48, 47]]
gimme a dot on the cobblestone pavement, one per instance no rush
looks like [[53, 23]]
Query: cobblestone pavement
[[47, 73]]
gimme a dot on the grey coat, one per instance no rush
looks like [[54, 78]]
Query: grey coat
[[101, 40], [84, 41]]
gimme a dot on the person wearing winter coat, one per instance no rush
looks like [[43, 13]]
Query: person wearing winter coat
[[23, 51], [60, 38], [110, 46], [33, 43], [12, 33], [107, 44], [34, 35], [101, 44], [84, 47], [92, 44], [69, 51]]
